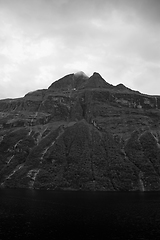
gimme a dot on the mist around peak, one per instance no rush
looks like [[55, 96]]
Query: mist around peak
[[80, 74]]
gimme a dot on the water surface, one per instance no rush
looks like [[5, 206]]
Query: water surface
[[86, 215]]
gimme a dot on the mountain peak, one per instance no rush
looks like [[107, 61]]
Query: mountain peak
[[70, 81], [96, 74], [80, 74], [96, 81], [62, 83], [122, 87]]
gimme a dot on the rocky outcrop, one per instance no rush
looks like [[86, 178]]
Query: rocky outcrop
[[81, 134]]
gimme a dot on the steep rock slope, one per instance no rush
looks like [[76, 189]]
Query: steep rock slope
[[81, 134]]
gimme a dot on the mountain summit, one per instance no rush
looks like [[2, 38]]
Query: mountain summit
[[71, 81], [81, 133], [96, 81], [80, 80]]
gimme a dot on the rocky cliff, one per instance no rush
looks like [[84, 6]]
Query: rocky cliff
[[81, 134]]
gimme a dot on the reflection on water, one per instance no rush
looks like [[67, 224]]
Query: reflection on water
[[86, 215]]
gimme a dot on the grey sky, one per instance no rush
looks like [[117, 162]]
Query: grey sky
[[43, 40]]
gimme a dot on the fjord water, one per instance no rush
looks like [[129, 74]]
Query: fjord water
[[86, 215]]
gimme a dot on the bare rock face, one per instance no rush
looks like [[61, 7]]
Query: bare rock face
[[81, 133]]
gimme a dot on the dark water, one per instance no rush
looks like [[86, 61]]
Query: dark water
[[79, 215]]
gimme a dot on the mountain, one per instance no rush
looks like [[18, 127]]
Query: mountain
[[81, 133]]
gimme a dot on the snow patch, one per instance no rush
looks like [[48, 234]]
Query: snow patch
[[15, 170], [30, 131], [32, 174], [44, 152], [40, 136], [17, 143], [10, 159], [10, 175]]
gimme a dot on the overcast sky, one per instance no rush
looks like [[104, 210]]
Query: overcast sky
[[43, 40]]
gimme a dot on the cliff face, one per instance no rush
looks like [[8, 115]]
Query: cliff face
[[81, 134]]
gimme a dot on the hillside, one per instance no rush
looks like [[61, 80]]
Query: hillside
[[81, 133]]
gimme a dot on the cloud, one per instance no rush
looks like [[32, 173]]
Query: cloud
[[42, 40], [148, 80]]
